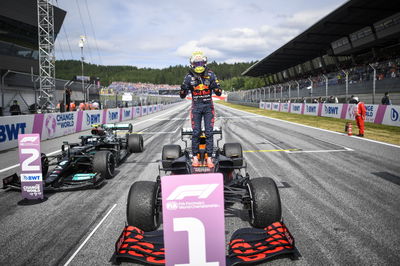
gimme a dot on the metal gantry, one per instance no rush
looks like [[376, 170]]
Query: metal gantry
[[47, 73]]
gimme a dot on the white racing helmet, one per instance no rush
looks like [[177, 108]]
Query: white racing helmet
[[198, 62]]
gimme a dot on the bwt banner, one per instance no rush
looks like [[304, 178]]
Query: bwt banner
[[137, 111], [391, 116], [311, 109], [31, 166], [332, 110], [285, 107], [112, 115], [126, 113], [90, 118], [59, 124], [268, 106], [193, 217], [262, 105], [296, 108], [11, 127], [276, 106], [144, 110]]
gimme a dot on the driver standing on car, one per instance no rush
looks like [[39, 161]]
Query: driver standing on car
[[201, 81]]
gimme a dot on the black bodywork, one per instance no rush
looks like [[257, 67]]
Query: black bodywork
[[88, 163]]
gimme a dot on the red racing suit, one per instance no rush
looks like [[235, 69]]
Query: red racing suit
[[360, 113]]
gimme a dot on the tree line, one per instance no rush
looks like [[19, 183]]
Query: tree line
[[228, 74]]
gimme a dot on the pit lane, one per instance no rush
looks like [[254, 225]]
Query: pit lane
[[336, 204]]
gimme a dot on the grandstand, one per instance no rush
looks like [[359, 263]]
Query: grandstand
[[354, 50], [19, 62], [144, 88]]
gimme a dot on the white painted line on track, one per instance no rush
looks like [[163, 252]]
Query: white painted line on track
[[16, 165], [321, 129], [54, 152], [90, 235]]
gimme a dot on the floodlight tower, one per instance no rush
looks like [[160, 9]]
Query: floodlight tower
[[47, 70]]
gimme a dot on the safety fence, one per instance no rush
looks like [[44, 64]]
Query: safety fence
[[376, 113], [52, 125]]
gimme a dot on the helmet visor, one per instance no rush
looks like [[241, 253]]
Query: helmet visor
[[198, 63]]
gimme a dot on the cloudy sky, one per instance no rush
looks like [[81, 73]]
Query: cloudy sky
[[160, 33]]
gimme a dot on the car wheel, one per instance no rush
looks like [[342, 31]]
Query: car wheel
[[135, 143], [45, 164], [142, 210], [169, 154], [235, 152], [104, 163], [265, 202]]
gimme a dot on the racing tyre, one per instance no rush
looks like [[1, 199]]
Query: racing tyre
[[135, 143], [45, 164], [142, 210], [169, 154], [104, 163], [265, 202], [235, 152]]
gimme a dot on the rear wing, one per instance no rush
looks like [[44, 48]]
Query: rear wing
[[128, 127], [189, 132]]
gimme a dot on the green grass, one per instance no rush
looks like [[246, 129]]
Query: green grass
[[389, 134]]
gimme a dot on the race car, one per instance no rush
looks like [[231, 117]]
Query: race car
[[88, 163], [259, 196]]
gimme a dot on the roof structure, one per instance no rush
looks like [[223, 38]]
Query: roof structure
[[316, 41]]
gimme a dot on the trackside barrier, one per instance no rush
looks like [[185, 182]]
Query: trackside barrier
[[54, 125], [376, 113]]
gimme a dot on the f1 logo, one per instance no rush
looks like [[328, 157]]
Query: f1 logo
[[201, 191]]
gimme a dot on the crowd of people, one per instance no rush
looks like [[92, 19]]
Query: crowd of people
[[139, 88], [384, 70]]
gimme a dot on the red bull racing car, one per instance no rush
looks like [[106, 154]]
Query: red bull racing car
[[259, 197]]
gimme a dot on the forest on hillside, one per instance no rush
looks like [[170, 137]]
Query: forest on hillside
[[228, 74]]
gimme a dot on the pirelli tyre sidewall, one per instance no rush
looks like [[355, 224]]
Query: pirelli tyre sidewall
[[45, 164], [135, 143], [104, 163], [265, 202], [142, 210], [234, 151], [169, 154]]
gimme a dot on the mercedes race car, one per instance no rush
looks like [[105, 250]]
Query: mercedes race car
[[88, 163], [259, 196]]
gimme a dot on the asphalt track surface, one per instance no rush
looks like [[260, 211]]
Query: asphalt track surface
[[340, 195]]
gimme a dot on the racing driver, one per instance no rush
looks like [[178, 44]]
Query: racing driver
[[201, 82]]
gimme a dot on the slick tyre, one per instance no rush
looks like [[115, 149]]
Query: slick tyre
[[142, 210], [265, 202], [169, 154], [235, 152], [135, 143], [45, 164], [104, 163]]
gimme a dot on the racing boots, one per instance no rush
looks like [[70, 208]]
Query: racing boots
[[210, 163], [195, 162]]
